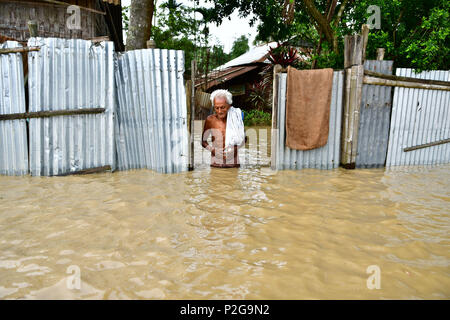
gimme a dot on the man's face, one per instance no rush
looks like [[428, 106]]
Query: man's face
[[221, 107]]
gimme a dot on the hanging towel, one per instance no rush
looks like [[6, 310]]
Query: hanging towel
[[235, 134], [308, 100]]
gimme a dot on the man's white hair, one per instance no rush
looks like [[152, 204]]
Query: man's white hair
[[222, 93]]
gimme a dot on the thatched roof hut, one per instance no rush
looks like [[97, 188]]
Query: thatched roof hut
[[97, 18]]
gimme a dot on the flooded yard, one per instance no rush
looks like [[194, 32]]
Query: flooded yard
[[227, 234]]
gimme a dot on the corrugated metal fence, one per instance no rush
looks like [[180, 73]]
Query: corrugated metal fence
[[71, 74], [13, 133], [326, 157], [145, 120], [152, 112], [150, 127], [374, 119], [419, 116]]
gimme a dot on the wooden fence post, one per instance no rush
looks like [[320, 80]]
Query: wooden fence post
[[275, 127], [192, 115], [354, 56], [380, 53]]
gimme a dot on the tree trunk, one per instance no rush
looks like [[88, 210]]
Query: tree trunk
[[140, 28], [321, 21]]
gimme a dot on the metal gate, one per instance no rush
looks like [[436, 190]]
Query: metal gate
[[152, 113]]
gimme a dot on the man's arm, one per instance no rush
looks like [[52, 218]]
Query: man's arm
[[205, 135]]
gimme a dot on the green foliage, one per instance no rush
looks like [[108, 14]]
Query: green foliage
[[177, 29], [415, 33], [259, 97], [327, 58], [240, 46], [257, 118], [125, 17], [431, 48]]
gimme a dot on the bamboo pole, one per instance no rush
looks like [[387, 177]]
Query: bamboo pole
[[18, 50], [50, 113], [188, 103], [403, 84], [426, 145], [192, 120], [354, 74], [406, 79]]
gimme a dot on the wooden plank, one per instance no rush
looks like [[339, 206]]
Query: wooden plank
[[403, 84], [405, 79], [50, 113], [426, 145], [380, 53], [365, 37], [353, 50]]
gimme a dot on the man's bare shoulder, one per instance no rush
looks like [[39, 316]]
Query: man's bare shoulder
[[211, 119]]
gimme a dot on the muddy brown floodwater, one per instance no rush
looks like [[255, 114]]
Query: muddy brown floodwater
[[227, 233]]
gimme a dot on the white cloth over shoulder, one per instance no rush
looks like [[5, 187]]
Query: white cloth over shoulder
[[235, 134]]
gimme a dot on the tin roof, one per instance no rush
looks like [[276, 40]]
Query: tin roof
[[216, 77], [254, 55]]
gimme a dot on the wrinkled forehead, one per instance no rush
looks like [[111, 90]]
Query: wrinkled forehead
[[220, 101]]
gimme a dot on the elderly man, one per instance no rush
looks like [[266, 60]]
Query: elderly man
[[227, 130]]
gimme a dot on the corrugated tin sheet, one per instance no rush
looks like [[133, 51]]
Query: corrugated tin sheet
[[374, 119], [13, 133], [255, 54], [419, 116], [152, 112], [71, 74], [326, 157]]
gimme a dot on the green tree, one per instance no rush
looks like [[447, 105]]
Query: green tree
[[415, 33], [240, 46]]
